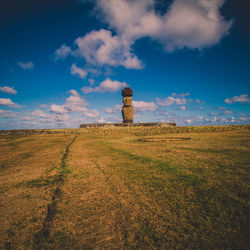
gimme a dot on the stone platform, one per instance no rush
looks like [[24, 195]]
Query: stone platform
[[143, 124]]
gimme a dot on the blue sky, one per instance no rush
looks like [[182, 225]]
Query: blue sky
[[65, 62]]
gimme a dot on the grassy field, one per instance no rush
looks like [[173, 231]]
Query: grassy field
[[126, 188]]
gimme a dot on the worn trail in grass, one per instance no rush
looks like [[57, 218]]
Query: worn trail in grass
[[128, 192], [27, 185], [41, 238]]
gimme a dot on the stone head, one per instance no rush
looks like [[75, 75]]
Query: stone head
[[127, 101]]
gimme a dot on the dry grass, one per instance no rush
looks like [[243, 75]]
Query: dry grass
[[28, 168], [150, 189]]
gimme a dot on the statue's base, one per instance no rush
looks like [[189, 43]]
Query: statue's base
[[110, 125]]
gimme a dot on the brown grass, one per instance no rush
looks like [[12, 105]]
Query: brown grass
[[26, 162], [148, 192]]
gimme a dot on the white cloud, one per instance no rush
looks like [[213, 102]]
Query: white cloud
[[49, 118], [222, 108], [194, 24], [8, 103], [182, 108], [27, 65], [170, 101], [39, 113], [44, 106], [228, 112], [60, 113], [101, 47], [116, 109], [181, 94], [244, 118], [74, 103], [91, 113], [75, 71], [108, 110], [164, 113], [8, 114], [8, 90], [62, 52], [105, 86], [101, 120], [58, 109], [241, 99], [144, 106], [198, 101], [214, 119], [91, 81], [214, 114]]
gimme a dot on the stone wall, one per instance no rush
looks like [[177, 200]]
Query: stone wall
[[105, 125]]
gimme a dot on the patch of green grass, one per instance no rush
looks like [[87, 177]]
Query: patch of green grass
[[10, 233], [58, 240], [3, 166], [15, 143], [41, 182], [161, 166]]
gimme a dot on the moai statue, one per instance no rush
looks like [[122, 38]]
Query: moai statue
[[127, 109]]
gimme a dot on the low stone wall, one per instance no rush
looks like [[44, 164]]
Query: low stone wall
[[126, 129], [107, 125], [30, 132]]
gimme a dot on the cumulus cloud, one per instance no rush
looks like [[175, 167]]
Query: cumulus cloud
[[49, 118], [58, 109], [171, 100], [74, 103], [75, 71], [27, 65], [182, 108], [241, 99], [116, 109], [60, 113], [91, 81], [101, 120], [193, 24], [108, 110], [198, 101], [178, 99], [8, 114], [8, 90], [244, 118], [105, 86], [144, 106], [91, 113], [228, 112], [103, 48], [8, 103], [62, 52]]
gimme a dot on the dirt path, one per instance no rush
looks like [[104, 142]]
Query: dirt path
[[41, 238]]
